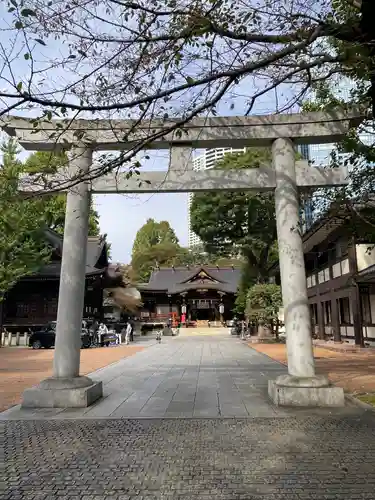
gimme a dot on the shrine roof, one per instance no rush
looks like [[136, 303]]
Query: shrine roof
[[96, 256], [179, 279]]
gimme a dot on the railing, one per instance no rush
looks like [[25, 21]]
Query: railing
[[10, 339]]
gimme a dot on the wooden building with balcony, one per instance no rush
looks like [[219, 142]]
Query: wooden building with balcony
[[340, 270]]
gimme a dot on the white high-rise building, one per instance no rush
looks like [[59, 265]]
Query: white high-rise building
[[205, 161]]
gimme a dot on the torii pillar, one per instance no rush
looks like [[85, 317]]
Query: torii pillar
[[301, 386], [66, 388]]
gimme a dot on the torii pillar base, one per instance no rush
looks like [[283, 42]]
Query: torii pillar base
[[77, 392], [305, 392]]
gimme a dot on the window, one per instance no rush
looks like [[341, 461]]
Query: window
[[22, 310], [326, 274], [336, 270], [344, 308], [365, 307], [327, 312]]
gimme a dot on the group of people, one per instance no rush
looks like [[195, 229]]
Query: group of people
[[100, 331]]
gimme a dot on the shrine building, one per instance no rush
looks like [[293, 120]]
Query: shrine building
[[202, 293]]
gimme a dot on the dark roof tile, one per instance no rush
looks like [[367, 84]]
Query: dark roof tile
[[95, 248], [173, 280]]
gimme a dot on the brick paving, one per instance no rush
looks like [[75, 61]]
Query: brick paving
[[355, 372], [295, 458], [21, 367], [272, 454]]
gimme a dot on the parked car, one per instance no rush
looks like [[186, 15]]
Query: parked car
[[45, 338]]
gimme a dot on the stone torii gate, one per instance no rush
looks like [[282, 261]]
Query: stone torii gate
[[301, 386]]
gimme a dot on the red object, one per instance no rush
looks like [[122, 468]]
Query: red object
[[183, 318]]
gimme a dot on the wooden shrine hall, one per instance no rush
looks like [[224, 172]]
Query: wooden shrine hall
[[33, 301], [202, 293]]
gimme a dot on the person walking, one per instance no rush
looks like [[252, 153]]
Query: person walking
[[118, 335], [243, 329], [128, 333]]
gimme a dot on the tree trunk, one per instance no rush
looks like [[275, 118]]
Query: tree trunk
[[264, 331]]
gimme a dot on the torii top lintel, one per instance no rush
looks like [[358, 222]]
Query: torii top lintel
[[236, 131]]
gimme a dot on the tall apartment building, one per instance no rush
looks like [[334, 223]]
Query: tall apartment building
[[205, 161], [307, 207]]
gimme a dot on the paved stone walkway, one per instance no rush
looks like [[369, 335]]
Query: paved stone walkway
[[271, 454], [192, 376]]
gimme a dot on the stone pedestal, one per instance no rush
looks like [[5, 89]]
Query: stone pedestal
[[78, 392], [311, 391], [66, 389]]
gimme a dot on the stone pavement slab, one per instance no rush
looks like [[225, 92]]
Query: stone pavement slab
[[22, 367], [208, 376], [304, 457]]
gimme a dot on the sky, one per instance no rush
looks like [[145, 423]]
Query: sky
[[121, 216]]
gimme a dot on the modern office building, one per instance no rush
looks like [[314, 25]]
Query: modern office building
[[307, 206], [205, 161]]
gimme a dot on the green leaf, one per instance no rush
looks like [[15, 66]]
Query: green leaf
[[39, 40], [27, 13], [13, 2], [19, 86], [26, 56], [18, 25]]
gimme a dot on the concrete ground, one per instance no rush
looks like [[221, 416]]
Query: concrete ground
[[354, 372], [21, 368], [187, 376], [189, 419]]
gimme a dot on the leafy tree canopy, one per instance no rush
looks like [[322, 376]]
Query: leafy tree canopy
[[179, 58], [42, 163], [196, 256], [153, 233], [352, 85], [23, 220], [263, 303], [22, 246], [155, 244], [238, 223], [162, 254]]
